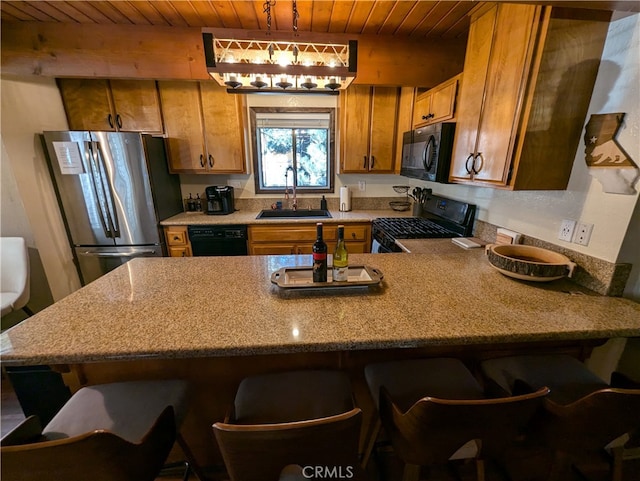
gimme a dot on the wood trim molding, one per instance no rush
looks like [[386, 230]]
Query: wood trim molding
[[152, 52]]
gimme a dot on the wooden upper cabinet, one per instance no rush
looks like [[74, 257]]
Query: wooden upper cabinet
[[369, 120], [203, 124], [223, 128], [437, 104], [111, 105], [528, 77], [183, 126]]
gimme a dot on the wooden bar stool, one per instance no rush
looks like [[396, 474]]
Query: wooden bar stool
[[430, 408], [582, 412], [304, 419], [109, 432]]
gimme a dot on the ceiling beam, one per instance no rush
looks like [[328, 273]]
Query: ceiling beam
[[155, 52]]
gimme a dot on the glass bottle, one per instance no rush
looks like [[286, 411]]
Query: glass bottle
[[340, 258], [319, 256], [191, 203], [198, 203]]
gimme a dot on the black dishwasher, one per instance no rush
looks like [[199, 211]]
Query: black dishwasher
[[218, 240]]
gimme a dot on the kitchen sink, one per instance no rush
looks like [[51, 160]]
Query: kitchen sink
[[289, 213]]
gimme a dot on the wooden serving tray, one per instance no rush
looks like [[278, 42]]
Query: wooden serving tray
[[302, 277]]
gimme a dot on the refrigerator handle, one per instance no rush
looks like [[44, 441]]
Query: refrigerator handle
[[111, 211], [117, 254], [100, 200]]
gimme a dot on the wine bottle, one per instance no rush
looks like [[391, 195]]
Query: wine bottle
[[340, 257], [319, 256]]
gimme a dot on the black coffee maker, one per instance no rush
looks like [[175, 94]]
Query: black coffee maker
[[219, 199]]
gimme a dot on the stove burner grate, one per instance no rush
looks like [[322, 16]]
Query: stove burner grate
[[411, 228]]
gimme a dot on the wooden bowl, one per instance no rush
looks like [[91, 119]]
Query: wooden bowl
[[529, 263]]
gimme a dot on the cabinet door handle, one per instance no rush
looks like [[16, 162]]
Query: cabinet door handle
[[353, 234], [201, 160], [466, 163], [473, 165], [364, 165], [428, 116], [118, 121], [373, 161], [210, 160], [110, 120], [292, 251]]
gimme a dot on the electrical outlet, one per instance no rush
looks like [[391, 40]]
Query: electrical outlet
[[583, 234], [236, 184], [566, 230], [362, 186]]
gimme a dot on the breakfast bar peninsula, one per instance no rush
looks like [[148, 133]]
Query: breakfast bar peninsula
[[215, 320]]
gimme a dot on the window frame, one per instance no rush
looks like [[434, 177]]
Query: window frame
[[330, 148]]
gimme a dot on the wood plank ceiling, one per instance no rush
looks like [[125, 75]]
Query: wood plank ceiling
[[402, 18]]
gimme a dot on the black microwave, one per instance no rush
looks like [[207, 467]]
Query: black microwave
[[426, 152]]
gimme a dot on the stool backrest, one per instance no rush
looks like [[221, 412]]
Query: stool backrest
[[433, 429], [260, 451], [95, 456], [14, 269], [592, 421]]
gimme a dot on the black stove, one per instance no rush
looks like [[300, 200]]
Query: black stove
[[440, 218]]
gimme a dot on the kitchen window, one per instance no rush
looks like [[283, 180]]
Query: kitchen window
[[288, 140]]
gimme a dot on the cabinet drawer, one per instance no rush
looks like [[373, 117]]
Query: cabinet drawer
[[179, 251], [355, 233], [177, 237], [288, 233]]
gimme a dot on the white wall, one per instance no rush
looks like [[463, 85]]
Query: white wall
[[30, 106]]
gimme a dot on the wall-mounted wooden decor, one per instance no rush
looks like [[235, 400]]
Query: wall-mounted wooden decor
[[606, 159]]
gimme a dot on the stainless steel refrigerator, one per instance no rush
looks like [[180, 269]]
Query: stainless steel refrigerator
[[114, 188]]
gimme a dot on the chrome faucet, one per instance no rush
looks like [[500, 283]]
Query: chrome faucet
[[294, 203]]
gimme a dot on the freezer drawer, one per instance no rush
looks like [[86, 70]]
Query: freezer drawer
[[97, 261]]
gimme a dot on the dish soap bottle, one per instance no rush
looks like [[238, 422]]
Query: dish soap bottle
[[323, 203], [340, 258], [319, 256]]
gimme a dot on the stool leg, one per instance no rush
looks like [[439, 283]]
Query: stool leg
[[190, 458], [616, 469], [411, 472], [480, 469], [479, 461], [371, 442], [561, 467]]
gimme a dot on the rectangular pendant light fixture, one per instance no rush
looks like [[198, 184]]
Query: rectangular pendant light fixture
[[254, 61]]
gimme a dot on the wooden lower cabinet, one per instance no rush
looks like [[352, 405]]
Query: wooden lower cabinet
[[286, 239], [178, 244]]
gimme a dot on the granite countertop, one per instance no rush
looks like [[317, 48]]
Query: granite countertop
[[249, 217], [227, 306]]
